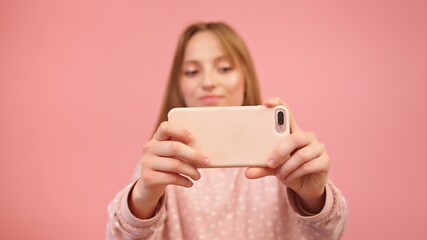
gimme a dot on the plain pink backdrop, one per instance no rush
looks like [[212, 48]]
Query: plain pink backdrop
[[81, 84]]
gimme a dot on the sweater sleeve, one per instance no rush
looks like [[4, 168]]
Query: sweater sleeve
[[122, 224], [329, 223]]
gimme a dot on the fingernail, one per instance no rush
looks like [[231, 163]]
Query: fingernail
[[189, 184], [271, 163], [205, 162], [281, 176], [189, 138]]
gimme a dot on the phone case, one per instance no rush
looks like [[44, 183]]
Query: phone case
[[236, 136]]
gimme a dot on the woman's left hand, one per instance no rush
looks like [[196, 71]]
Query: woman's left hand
[[300, 162]]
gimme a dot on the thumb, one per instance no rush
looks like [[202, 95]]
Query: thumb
[[259, 172]]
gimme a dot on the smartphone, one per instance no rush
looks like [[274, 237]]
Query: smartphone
[[234, 136]]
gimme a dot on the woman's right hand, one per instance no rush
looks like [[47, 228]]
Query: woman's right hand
[[166, 160]]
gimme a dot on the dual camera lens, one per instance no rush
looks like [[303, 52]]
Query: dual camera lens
[[280, 117], [280, 121]]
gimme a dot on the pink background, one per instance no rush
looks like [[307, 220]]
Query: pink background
[[81, 84]]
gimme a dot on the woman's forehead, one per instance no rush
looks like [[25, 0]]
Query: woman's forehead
[[204, 45]]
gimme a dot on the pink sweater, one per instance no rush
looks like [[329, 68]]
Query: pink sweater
[[224, 204]]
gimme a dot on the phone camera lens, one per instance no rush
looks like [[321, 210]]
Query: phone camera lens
[[280, 118]]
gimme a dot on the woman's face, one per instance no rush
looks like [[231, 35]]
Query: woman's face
[[208, 76]]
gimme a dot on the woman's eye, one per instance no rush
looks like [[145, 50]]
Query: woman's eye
[[225, 69], [190, 73]]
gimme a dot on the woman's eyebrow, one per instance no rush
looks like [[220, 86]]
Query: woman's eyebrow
[[222, 57], [215, 59], [190, 61]]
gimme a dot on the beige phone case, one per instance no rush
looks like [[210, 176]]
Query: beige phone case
[[234, 136]]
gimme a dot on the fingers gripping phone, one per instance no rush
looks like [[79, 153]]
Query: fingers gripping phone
[[236, 136]]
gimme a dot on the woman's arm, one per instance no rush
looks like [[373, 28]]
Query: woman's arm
[[301, 163], [138, 211], [329, 223], [123, 224]]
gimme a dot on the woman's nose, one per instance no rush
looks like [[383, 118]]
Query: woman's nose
[[208, 81]]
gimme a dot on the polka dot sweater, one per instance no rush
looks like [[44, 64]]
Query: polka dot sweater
[[224, 204]]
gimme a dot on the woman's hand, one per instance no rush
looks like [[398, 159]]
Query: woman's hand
[[300, 162], [166, 160]]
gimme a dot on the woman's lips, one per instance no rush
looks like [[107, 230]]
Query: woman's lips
[[209, 99]]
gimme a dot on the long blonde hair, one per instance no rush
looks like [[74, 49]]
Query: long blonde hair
[[233, 45]]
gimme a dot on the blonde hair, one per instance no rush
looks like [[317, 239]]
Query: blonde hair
[[233, 45]]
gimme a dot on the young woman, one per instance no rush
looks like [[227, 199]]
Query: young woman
[[290, 199]]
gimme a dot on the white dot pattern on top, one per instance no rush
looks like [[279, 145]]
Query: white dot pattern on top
[[224, 204]]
